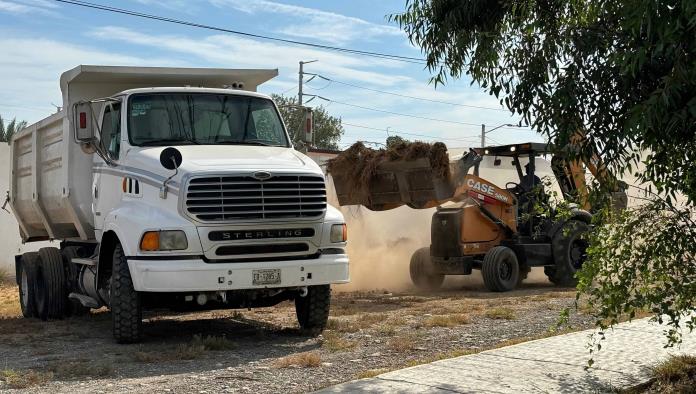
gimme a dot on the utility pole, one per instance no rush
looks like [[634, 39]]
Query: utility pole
[[483, 135], [484, 132], [301, 80]]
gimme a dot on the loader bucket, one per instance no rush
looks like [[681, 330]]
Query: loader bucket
[[382, 180]]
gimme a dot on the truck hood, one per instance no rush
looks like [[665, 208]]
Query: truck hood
[[227, 158]]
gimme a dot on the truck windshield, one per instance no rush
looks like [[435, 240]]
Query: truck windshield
[[203, 118]]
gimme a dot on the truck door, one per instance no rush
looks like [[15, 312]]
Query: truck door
[[106, 187]]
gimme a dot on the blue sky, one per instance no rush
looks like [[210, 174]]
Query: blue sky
[[39, 39]]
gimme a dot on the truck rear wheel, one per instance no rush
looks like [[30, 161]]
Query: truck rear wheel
[[27, 282], [54, 282], [568, 247], [126, 308], [421, 270], [313, 309], [500, 269]]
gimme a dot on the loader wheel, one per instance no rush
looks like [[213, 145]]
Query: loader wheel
[[72, 273], [54, 282], [313, 309], [126, 307], [422, 272], [568, 247], [27, 284], [500, 269]]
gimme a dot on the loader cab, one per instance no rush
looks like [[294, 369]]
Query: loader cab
[[528, 187]]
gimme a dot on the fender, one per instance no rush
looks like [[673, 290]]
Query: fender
[[131, 219], [575, 214]]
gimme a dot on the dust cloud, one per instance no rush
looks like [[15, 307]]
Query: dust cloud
[[380, 244]]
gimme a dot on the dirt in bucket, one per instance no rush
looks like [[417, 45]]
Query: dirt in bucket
[[357, 165]]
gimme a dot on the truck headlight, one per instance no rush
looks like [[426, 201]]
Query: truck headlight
[[339, 233], [164, 240]]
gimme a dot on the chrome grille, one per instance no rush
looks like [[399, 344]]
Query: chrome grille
[[229, 198]]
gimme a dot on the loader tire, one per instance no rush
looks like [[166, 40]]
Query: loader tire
[[72, 272], [54, 282], [313, 309], [27, 284], [568, 248], [500, 269], [422, 272], [126, 307]]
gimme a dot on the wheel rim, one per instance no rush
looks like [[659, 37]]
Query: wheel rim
[[505, 270], [25, 289], [578, 253]]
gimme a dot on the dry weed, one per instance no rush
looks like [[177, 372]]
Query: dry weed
[[9, 301], [80, 368], [24, 379], [336, 343], [371, 373], [341, 325], [447, 320], [403, 343], [301, 360], [500, 313]]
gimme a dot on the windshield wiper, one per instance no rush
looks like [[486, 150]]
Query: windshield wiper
[[170, 141]]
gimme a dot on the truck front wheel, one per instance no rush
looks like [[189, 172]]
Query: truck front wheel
[[313, 309], [126, 308]]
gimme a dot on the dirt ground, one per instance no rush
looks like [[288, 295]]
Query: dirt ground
[[262, 351]]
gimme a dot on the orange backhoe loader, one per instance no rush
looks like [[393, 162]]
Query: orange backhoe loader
[[479, 225]]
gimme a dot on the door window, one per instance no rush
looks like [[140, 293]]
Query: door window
[[111, 130]]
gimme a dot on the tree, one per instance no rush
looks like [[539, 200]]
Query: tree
[[327, 129], [624, 74], [6, 132]]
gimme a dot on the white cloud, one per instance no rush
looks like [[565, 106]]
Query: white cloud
[[234, 52], [30, 70], [28, 7], [316, 24]]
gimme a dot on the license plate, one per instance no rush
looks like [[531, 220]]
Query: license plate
[[266, 277]]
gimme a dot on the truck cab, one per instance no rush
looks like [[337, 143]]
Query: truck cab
[[196, 199]]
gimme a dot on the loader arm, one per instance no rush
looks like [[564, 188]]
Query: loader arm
[[570, 175]]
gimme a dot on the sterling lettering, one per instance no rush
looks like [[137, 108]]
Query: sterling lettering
[[259, 234]]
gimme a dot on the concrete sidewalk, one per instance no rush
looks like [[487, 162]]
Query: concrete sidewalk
[[555, 364]]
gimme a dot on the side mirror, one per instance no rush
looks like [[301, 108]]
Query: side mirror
[[308, 134], [170, 158], [84, 122]]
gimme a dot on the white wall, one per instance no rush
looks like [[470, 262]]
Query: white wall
[[10, 242]]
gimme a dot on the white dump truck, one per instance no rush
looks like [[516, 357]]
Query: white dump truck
[[171, 188]]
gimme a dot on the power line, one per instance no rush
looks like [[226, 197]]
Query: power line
[[397, 132], [285, 91], [124, 11], [392, 113], [406, 96]]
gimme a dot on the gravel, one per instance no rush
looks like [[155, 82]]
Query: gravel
[[378, 331]]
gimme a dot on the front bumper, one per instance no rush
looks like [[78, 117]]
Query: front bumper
[[197, 275]]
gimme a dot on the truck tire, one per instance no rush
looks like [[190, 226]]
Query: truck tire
[[27, 283], [313, 309], [126, 307], [568, 248], [54, 282], [421, 271], [40, 291], [500, 269], [72, 273]]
